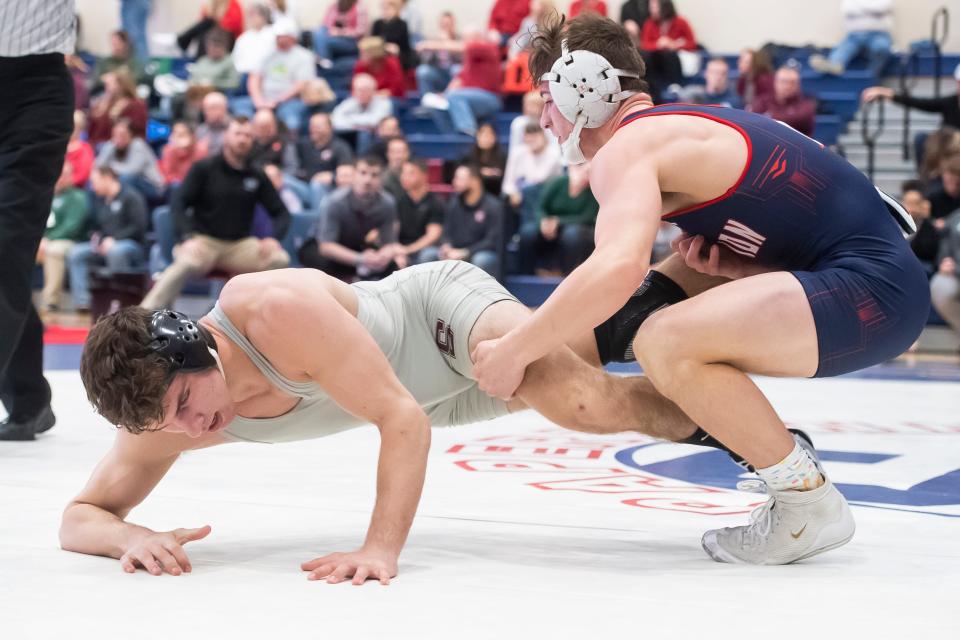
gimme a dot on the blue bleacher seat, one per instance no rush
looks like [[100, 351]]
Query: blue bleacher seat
[[439, 145]]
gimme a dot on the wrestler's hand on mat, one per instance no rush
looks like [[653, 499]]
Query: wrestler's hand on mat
[[159, 551], [361, 565], [497, 370], [718, 260]]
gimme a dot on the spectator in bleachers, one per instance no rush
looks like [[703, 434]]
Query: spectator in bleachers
[[66, 227], [256, 43], [471, 96], [788, 103], [318, 97], [121, 58], [216, 119], [398, 153], [395, 34], [532, 108], [79, 152], [561, 236], [320, 154], [938, 145], [363, 110], [212, 72], [867, 24], [344, 23], [755, 79], [384, 68], [944, 193], [357, 235], [227, 14], [343, 179], [179, 154], [587, 6], [440, 56], [420, 212], [119, 100], [530, 164], [488, 156], [387, 129], [270, 146], [665, 34], [283, 76], [539, 9], [213, 212], [945, 285], [133, 20], [119, 226], [716, 90], [506, 16], [411, 15], [926, 241], [472, 224], [133, 162], [215, 71], [947, 106], [633, 15], [282, 9]]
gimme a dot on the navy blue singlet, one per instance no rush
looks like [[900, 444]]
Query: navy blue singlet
[[799, 207]]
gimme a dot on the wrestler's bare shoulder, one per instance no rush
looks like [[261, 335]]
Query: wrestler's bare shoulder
[[251, 294]]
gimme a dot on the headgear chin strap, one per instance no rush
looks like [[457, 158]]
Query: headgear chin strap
[[586, 89], [185, 345]]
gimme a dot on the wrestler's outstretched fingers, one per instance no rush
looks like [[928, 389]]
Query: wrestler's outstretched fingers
[[360, 575], [329, 561], [341, 573], [384, 576]]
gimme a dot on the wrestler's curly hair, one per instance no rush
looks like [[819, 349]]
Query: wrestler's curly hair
[[124, 378], [589, 32]]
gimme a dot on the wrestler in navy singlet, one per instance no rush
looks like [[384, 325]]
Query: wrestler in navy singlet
[[800, 207]]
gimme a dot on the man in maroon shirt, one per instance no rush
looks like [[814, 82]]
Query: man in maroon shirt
[[788, 103]]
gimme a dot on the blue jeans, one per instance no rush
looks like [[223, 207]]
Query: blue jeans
[[133, 20], [431, 79], [470, 105], [290, 112], [329, 47], [874, 45], [124, 255], [150, 192]]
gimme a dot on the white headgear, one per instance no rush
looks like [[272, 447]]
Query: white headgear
[[586, 89]]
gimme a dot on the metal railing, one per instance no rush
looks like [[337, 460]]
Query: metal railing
[[910, 69], [871, 134]]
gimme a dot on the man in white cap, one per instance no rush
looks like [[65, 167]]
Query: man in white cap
[[281, 79]]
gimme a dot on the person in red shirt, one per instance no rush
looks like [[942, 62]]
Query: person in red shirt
[[587, 6], [386, 69], [664, 34], [788, 103], [506, 16], [179, 154], [79, 152], [473, 95], [119, 100], [227, 14]]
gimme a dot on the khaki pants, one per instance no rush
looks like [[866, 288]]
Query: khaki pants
[[200, 255], [54, 270]]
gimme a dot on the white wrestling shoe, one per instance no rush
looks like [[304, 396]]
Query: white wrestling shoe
[[791, 526]]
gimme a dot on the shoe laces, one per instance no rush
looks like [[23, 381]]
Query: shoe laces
[[761, 518]]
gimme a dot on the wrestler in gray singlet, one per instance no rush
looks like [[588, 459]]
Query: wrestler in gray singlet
[[421, 318]]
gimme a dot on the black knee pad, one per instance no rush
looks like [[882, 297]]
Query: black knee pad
[[615, 336]]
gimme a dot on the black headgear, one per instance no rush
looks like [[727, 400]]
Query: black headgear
[[182, 342]]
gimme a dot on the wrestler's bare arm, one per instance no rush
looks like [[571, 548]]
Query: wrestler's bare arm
[[94, 521], [332, 348], [625, 230]]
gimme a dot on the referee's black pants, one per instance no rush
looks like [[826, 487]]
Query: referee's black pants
[[36, 118]]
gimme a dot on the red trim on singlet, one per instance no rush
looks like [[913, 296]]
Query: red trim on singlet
[[743, 174]]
